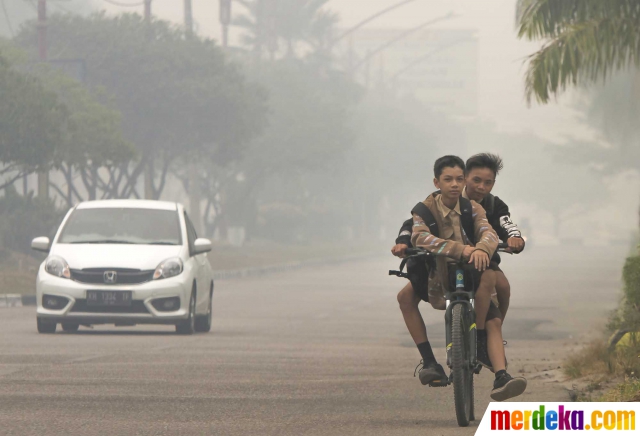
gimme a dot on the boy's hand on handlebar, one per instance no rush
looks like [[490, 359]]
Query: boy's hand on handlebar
[[399, 249], [516, 245], [480, 260]]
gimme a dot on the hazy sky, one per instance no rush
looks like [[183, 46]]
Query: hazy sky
[[501, 94]]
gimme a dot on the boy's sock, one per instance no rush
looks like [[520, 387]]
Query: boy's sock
[[500, 373], [427, 353]]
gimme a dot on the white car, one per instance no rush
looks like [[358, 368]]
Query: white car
[[125, 262]]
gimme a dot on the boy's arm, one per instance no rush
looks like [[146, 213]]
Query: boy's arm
[[486, 238], [404, 236], [506, 228], [422, 238]]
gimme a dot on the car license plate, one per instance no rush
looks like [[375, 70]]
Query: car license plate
[[109, 298]]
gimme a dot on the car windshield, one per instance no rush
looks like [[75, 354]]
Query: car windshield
[[122, 226]]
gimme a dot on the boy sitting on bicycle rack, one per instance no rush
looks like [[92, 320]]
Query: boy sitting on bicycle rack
[[475, 245], [482, 170]]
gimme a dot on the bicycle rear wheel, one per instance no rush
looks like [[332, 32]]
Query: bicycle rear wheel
[[462, 372]]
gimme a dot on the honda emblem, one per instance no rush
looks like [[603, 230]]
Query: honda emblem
[[110, 276]]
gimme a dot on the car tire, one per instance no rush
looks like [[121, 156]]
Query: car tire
[[70, 327], [188, 326], [45, 326], [203, 322]]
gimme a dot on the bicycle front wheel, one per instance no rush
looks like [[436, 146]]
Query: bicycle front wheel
[[462, 371]]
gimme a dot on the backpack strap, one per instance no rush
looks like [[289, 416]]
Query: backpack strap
[[489, 204], [466, 212], [423, 212]]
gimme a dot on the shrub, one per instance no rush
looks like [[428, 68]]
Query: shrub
[[23, 218], [627, 316]]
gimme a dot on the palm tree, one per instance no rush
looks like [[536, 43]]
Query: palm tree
[[269, 22], [587, 41]]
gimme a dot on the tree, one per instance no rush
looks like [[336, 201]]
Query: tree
[[32, 124], [310, 128], [178, 96], [92, 134], [588, 40], [293, 22], [92, 142]]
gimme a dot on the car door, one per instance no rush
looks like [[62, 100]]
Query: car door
[[199, 265]]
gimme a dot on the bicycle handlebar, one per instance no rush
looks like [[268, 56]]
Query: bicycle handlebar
[[410, 252], [415, 252]]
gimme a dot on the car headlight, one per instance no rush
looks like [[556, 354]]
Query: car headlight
[[57, 266], [168, 268]]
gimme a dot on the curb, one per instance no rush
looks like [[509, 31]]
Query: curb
[[18, 300]]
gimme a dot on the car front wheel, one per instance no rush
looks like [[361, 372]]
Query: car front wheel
[[45, 326], [203, 322], [188, 327]]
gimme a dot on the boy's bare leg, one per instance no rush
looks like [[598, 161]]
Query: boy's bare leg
[[409, 300], [495, 346], [503, 289], [431, 373], [483, 297]]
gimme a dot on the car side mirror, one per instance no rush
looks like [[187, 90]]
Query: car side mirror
[[41, 244], [201, 245]]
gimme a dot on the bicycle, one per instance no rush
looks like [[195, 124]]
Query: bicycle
[[461, 336]]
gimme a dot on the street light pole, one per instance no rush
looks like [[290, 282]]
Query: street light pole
[[369, 19], [399, 38], [43, 174]]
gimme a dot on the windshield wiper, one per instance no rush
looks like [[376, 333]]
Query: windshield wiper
[[161, 243], [103, 241]]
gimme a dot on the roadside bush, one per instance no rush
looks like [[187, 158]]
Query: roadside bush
[[631, 277], [23, 218], [628, 314]]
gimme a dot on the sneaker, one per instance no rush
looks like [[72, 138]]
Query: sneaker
[[505, 387], [482, 355], [432, 374]]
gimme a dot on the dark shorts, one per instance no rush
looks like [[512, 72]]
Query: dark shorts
[[471, 282], [494, 266]]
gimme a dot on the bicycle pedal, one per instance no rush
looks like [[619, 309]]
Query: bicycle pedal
[[439, 383], [477, 369]]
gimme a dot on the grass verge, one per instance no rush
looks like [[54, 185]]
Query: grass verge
[[609, 375]]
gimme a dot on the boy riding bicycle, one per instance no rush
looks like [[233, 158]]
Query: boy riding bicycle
[[476, 246], [481, 172]]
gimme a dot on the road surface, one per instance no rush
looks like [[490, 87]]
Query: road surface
[[320, 351]]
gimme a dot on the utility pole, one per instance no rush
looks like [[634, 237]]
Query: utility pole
[[43, 174], [147, 11], [195, 194], [225, 20], [148, 172], [188, 17]]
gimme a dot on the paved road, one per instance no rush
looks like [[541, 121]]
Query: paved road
[[319, 351]]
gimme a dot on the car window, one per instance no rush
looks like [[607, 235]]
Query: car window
[[122, 226]]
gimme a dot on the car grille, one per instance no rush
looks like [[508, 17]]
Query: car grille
[[123, 276], [137, 306]]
